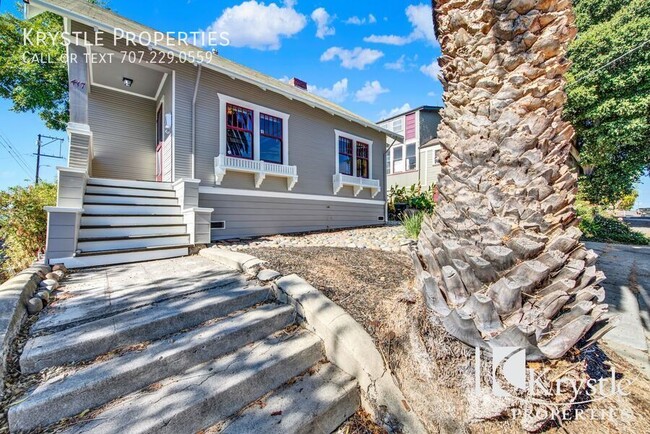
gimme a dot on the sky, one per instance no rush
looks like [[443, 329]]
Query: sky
[[373, 58]]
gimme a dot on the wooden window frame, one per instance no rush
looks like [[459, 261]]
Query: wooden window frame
[[252, 131], [281, 138], [352, 148], [366, 159]]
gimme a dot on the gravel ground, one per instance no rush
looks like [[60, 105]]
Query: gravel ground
[[389, 238]]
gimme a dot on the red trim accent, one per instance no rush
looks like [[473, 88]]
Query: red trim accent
[[234, 128], [280, 137]]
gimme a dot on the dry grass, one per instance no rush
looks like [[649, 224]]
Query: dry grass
[[435, 371]]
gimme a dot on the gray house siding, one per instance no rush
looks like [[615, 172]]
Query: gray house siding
[[429, 122], [258, 216], [123, 128]]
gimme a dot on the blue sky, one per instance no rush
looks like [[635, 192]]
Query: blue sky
[[374, 58]]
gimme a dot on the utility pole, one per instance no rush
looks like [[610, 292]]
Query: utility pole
[[40, 145]]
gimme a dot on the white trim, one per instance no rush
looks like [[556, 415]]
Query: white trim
[[355, 139], [257, 110], [187, 180], [279, 195], [61, 209], [223, 70], [162, 84], [139, 95], [173, 125], [76, 128]]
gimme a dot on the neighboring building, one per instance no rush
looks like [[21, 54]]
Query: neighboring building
[[166, 153], [415, 160]]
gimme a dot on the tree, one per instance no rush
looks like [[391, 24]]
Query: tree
[[499, 261], [609, 99], [23, 224], [627, 202], [34, 74]]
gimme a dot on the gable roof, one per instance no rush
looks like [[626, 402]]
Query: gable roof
[[105, 20]]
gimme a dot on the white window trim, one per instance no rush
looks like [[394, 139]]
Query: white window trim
[[357, 182], [224, 100]]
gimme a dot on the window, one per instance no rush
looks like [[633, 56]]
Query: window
[[398, 125], [363, 165], [398, 159], [239, 132], [346, 147], [435, 157], [388, 163], [270, 139], [410, 157]]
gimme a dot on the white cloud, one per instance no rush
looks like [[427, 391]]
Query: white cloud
[[421, 19], [260, 26], [369, 92], [432, 94], [385, 114], [323, 21], [357, 58], [337, 93], [398, 65], [432, 70], [361, 21]]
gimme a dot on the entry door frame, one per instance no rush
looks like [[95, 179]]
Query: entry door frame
[[160, 139]]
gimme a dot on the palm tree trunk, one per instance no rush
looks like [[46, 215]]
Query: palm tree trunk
[[500, 262]]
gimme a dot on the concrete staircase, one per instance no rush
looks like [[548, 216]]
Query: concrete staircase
[[128, 221], [223, 358]]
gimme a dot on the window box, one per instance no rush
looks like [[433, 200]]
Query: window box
[[260, 169], [357, 183]]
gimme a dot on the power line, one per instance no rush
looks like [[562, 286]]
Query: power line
[[16, 158], [16, 154]]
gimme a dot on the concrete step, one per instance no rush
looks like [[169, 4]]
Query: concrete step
[[129, 191], [87, 341], [316, 402], [131, 242], [130, 220], [109, 209], [107, 182], [129, 200], [208, 393], [101, 383], [153, 253], [94, 300], [130, 231]]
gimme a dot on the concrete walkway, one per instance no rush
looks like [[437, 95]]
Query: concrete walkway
[[628, 294]]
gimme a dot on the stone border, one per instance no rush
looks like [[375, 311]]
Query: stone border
[[15, 293], [347, 344], [239, 261]]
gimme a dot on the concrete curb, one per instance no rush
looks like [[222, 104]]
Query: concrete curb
[[239, 261], [351, 348], [14, 295]]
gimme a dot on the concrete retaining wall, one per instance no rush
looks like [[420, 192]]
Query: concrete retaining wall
[[14, 294]]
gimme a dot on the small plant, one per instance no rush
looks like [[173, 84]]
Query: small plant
[[597, 226], [23, 224], [412, 223], [414, 197]]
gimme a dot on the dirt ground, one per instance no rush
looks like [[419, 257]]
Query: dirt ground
[[434, 371]]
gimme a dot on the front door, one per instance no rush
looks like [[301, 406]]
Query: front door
[[159, 143]]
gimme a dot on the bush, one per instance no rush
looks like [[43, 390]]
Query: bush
[[596, 227], [412, 224], [413, 197], [23, 224]]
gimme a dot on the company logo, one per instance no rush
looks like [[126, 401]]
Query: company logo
[[511, 378]]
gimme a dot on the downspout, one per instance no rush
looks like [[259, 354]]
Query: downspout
[[196, 91]]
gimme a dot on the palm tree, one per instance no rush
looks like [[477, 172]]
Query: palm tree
[[500, 262]]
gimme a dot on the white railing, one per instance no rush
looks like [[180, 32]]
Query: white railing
[[357, 183], [260, 169]]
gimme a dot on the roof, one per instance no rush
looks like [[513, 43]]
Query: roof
[[421, 108], [107, 21]]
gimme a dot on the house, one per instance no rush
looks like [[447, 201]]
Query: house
[[416, 159], [173, 146]]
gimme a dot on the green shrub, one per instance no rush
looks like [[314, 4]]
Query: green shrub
[[23, 224], [414, 197], [596, 227], [412, 224]]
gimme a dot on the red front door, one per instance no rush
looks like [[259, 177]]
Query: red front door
[[159, 143]]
